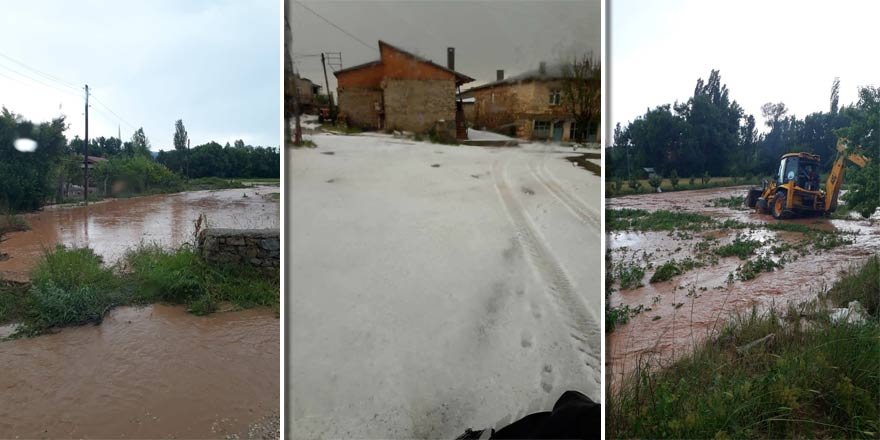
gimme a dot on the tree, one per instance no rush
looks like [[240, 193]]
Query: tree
[[181, 140], [139, 145], [180, 136], [582, 93], [835, 94]]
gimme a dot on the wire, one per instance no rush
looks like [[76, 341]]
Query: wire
[[120, 118], [334, 25], [44, 74], [38, 81]]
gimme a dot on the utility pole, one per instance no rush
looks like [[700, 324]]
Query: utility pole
[[186, 159], [288, 73], [86, 155], [327, 83]]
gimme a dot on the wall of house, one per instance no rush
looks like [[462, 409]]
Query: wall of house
[[519, 105], [369, 76], [358, 104], [416, 105], [402, 66]]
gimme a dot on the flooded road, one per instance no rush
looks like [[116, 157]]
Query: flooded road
[[112, 227], [151, 372], [680, 313], [145, 372]]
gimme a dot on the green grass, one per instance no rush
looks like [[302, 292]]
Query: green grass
[[666, 272], [751, 269], [10, 222], [272, 197], [740, 247], [629, 275], [813, 378], [666, 185], [641, 220], [734, 202], [206, 183], [71, 286]]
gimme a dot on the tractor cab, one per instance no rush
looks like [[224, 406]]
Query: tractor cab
[[801, 168]]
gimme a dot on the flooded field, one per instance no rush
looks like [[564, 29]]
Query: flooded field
[[151, 372], [674, 315], [145, 372], [111, 227]]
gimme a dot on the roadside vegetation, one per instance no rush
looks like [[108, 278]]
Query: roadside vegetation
[[52, 173], [72, 286], [799, 374], [689, 144]]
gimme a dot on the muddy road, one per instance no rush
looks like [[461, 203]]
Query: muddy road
[[674, 315], [145, 372], [114, 226]]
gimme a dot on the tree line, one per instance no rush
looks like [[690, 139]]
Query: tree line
[[711, 135], [48, 173]]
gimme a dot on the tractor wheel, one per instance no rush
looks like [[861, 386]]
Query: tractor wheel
[[761, 206], [752, 198], [778, 209]]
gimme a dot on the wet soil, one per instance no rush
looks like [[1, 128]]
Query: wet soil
[[688, 308], [151, 372], [114, 226]]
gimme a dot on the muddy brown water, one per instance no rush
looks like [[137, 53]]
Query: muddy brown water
[[678, 321], [145, 372], [150, 372], [114, 226]]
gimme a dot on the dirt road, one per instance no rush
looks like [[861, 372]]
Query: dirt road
[[678, 313]]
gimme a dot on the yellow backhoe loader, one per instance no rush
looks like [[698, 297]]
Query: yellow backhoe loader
[[795, 189]]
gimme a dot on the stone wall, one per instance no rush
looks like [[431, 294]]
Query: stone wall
[[255, 247], [417, 104], [359, 106]]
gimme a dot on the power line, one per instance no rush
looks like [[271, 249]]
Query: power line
[[40, 72], [334, 25], [120, 118], [39, 81]]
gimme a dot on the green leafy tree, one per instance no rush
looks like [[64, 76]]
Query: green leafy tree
[[139, 145], [28, 179], [655, 181], [673, 178]]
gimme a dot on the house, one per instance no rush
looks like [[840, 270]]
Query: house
[[528, 106], [308, 92], [402, 91]]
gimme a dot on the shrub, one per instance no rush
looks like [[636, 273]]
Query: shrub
[[673, 179]]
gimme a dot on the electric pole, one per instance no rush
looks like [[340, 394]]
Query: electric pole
[[288, 73], [327, 83], [86, 155]]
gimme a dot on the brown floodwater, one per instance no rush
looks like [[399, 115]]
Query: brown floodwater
[[687, 309], [145, 372], [114, 226]]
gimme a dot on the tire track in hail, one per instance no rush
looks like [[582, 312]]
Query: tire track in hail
[[584, 331], [568, 201]]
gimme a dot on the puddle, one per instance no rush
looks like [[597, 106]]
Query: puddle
[[114, 226], [688, 308], [583, 161], [150, 372]]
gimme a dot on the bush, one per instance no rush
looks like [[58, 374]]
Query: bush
[[122, 176], [655, 181], [673, 179]]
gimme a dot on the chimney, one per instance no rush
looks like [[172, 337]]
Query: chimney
[[542, 68], [499, 75], [450, 58]]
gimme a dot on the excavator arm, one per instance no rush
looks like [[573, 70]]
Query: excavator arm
[[838, 169]]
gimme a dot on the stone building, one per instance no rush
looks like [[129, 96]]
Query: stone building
[[527, 106], [401, 91], [308, 92]]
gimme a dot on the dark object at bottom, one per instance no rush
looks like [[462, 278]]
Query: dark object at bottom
[[574, 416]]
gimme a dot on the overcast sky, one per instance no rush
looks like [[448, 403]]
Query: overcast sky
[[215, 64], [511, 35], [788, 51]]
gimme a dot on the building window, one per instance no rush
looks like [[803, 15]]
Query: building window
[[555, 97], [541, 130]]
